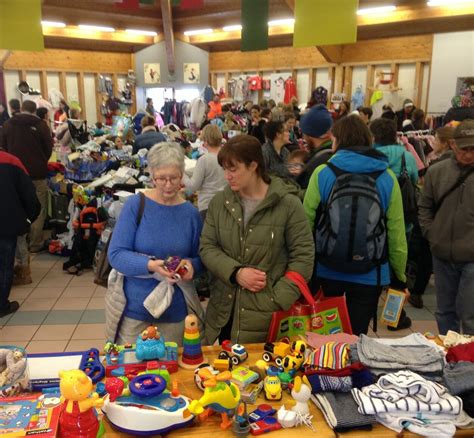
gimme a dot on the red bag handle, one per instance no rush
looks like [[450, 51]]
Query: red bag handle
[[298, 279]]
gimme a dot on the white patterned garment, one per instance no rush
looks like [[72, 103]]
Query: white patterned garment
[[405, 400]]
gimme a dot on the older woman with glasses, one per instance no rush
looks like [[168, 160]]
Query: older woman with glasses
[[169, 226]]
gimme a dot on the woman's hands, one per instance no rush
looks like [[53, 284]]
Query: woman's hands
[[251, 279], [158, 267]]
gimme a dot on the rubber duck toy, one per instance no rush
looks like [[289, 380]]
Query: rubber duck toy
[[301, 393], [77, 418], [220, 395]]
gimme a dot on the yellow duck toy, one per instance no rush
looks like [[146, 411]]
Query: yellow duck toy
[[77, 416], [220, 395]]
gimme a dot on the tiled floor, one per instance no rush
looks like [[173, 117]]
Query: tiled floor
[[60, 312]]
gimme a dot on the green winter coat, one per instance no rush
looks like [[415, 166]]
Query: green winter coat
[[277, 239]]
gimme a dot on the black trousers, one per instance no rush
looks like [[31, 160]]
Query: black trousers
[[7, 261], [362, 301]]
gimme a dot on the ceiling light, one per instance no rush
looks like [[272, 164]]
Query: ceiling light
[[282, 22], [232, 28], [53, 24], [96, 28], [378, 10], [197, 32], [141, 32], [449, 2]]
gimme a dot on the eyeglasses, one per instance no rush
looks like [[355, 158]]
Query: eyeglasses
[[162, 180]]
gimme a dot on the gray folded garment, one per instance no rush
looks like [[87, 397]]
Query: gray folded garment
[[341, 411], [459, 377], [413, 352]]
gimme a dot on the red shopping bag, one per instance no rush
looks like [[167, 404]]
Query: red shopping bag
[[325, 316]]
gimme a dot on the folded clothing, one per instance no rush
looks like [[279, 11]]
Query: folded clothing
[[468, 402], [458, 377], [346, 371], [462, 352], [332, 355], [413, 352], [315, 340], [340, 411], [405, 400], [324, 383]]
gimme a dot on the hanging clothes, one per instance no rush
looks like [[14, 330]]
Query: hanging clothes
[[358, 98], [254, 83], [208, 93], [279, 90], [240, 90], [290, 90]]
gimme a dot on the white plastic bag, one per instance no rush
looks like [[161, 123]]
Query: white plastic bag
[[159, 298]]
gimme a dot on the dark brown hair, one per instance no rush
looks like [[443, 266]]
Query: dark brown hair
[[272, 129], [351, 132], [289, 115], [384, 131], [243, 149], [298, 154], [29, 106], [445, 133]]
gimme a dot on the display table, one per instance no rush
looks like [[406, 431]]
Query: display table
[[211, 425]]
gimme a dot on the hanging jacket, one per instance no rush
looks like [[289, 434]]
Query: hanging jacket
[[319, 190], [450, 231], [28, 137], [276, 239]]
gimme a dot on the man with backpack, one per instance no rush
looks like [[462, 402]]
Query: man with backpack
[[315, 126], [354, 206], [446, 214]]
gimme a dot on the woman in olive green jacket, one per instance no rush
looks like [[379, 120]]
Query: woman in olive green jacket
[[255, 232]]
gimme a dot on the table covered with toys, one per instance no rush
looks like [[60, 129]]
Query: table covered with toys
[[321, 385]]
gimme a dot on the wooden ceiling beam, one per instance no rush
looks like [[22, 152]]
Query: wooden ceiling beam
[[169, 34], [4, 55], [332, 53]]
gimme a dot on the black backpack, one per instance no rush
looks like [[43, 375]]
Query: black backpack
[[351, 232], [408, 189]]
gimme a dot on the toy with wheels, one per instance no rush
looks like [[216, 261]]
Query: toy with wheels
[[198, 381], [275, 352], [150, 409], [236, 352]]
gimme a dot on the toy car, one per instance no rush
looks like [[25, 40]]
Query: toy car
[[236, 352], [275, 351]]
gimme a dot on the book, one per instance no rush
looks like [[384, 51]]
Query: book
[[31, 414], [243, 377], [393, 307]]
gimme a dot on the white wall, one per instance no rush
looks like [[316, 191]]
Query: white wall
[[453, 57], [90, 98], [11, 82], [303, 80]]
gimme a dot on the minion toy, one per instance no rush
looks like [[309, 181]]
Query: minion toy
[[299, 347]]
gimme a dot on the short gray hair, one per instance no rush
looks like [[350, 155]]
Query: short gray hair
[[165, 154]]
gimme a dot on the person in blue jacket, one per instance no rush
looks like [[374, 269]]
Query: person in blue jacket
[[384, 132], [149, 135], [354, 154]]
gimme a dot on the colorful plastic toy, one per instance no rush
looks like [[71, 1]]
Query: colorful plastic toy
[[78, 419], [176, 265], [192, 351], [272, 388], [220, 395], [236, 352], [301, 392], [275, 352], [149, 409], [268, 424], [197, 378], [241, 426], [222, 364], [262, 411], [286, 377], [150, 345]]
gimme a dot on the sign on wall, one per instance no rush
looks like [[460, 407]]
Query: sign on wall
[[152, 73], [191, 72]]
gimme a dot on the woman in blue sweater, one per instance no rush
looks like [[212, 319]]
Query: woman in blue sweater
[[169, 226]]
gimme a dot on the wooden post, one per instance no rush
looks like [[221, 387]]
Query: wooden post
[[62, 84], [312, 80], [370, 84], [395, 69], [44, 84], [115, 84], [339, 79], [419, 83], [214, 80], [22, 75], [98, 98], [80, 90], [331, 76], [347, 89], [260, 92]]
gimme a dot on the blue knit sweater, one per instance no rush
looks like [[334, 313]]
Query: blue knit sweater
[[163, 231]]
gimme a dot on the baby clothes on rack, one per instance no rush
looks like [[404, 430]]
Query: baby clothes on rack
[[278, 91], [290, 90]]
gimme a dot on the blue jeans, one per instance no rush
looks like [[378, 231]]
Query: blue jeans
[[454, 296], [7, 261]]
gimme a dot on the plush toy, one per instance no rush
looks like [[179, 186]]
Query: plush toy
[[15, 366]]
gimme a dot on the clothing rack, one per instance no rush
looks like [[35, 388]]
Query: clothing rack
[[412, 133]]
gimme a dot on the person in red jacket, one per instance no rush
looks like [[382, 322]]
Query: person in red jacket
[[21, 209], [215, 108]]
